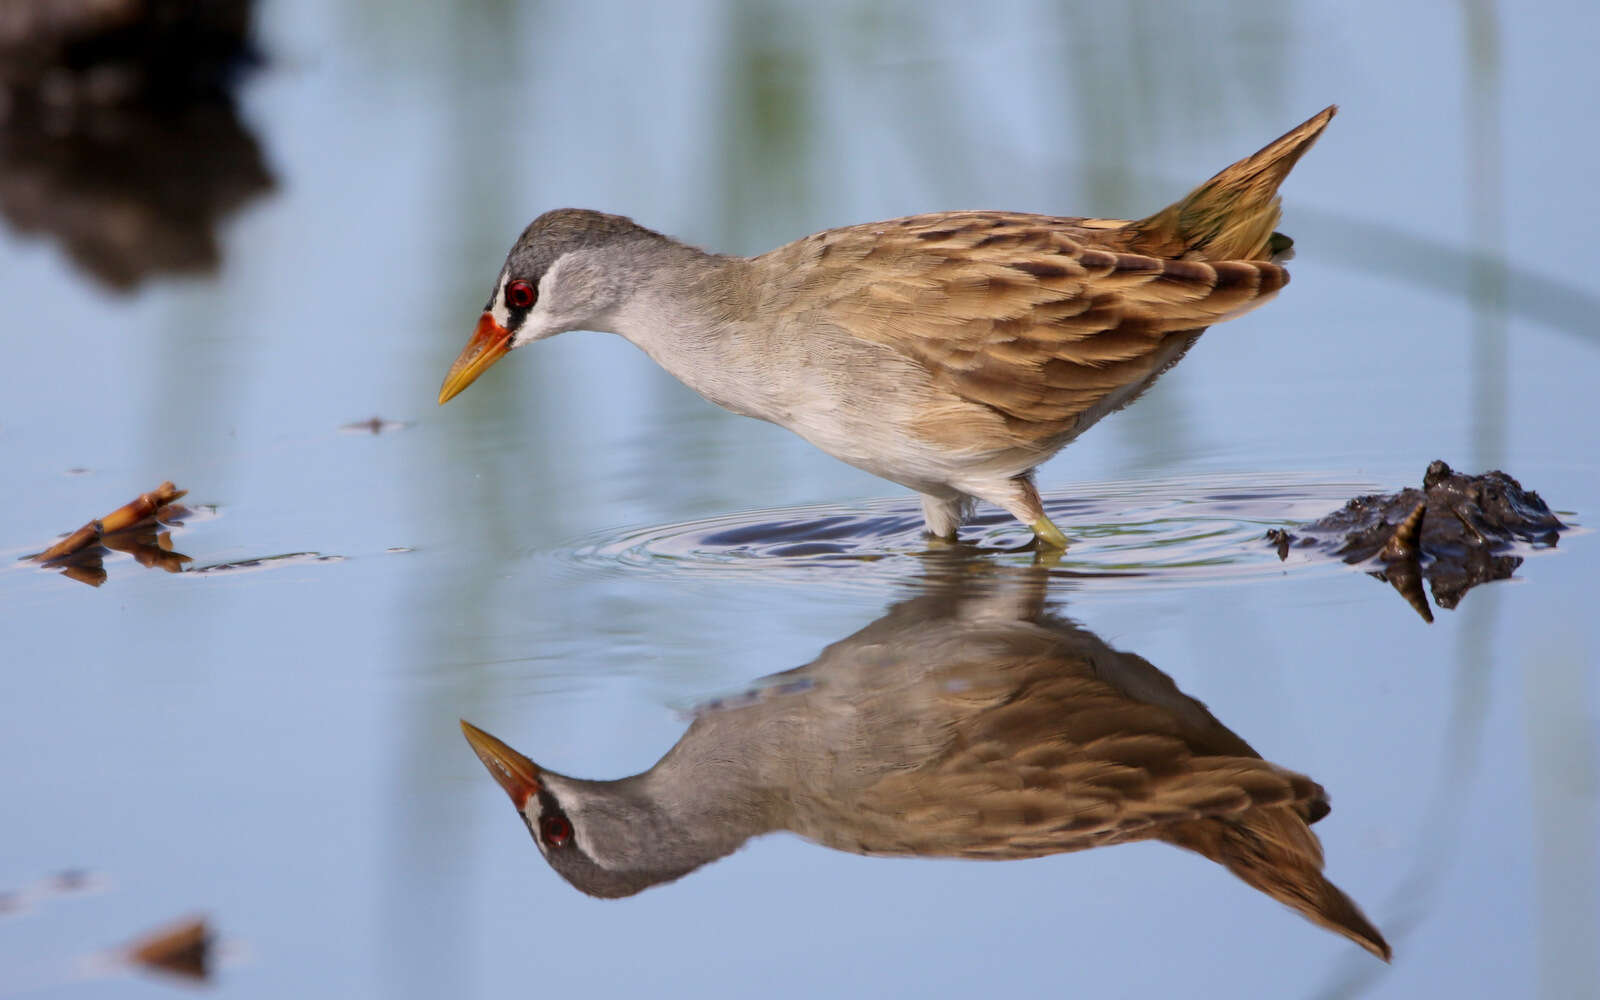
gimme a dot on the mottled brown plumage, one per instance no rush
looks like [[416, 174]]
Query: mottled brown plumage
[[1036, 318], [950, 352]]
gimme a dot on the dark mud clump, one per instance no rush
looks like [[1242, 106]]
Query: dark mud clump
[[1454, 533]]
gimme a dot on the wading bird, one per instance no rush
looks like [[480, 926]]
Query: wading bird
[[951, 353]]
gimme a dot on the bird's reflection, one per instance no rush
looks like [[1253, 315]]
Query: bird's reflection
[[970, 721]]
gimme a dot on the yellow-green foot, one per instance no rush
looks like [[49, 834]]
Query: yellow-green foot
[[1048, 534]]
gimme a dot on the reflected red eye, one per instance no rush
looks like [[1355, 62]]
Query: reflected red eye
[[555, 830], [520, 295]]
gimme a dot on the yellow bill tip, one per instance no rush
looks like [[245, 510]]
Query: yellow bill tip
[[490, 342], [515, 773]]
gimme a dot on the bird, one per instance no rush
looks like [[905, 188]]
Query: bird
[[951, 352], [970, 721]]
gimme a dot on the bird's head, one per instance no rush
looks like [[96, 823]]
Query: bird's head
[[595, 834], [561, 274]]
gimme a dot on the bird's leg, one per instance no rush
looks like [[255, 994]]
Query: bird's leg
[[1018, 497], [1049, 536], [941, 516]]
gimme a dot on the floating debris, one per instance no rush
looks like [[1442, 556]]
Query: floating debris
[[72, 880], [1453, 533], [146, 506], [267, 562], [375, 425], [181, 949], [135, 528], [67, 882]]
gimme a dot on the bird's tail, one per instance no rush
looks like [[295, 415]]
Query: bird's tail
[[1273, 850], [1232, 215]]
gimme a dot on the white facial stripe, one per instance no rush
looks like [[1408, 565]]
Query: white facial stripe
[[497, 307], [547, 281], [531, 322]]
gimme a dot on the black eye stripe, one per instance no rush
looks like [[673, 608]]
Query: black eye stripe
[[553, 828]]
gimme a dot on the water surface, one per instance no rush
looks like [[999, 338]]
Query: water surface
[[579, 551]]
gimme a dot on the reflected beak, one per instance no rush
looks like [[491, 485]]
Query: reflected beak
[[518, 775], [489, 343]]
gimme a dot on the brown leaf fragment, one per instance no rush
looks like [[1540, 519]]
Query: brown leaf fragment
[[182, 949]]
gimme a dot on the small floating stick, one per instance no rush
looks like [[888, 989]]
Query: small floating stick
[[126, 516]]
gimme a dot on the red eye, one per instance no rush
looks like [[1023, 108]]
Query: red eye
[[555, 830], [520, 295]]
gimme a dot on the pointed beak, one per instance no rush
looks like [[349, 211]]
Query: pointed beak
[[518, 775], [489, 343]]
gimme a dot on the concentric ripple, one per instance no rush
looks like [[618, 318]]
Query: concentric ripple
[[1180, 531]]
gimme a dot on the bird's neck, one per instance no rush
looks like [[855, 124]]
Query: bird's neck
[[716, 776], [696, 315], [685, 812]]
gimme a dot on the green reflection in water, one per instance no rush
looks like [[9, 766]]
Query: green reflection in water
[[456, 628]]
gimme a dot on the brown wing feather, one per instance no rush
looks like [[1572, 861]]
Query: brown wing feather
[[1038, 318]]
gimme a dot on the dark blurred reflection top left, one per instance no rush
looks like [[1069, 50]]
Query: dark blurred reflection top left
[[118, 131]]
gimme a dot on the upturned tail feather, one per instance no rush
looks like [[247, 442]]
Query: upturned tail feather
[[1233, 215], [1272, 850]]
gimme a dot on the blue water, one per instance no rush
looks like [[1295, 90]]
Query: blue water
[[556, 554]]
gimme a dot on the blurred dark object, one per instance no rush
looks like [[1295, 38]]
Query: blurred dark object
[[1453, 533], [97, 53], [67, 882], [118, 132], [182, 949], [375, 425]]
